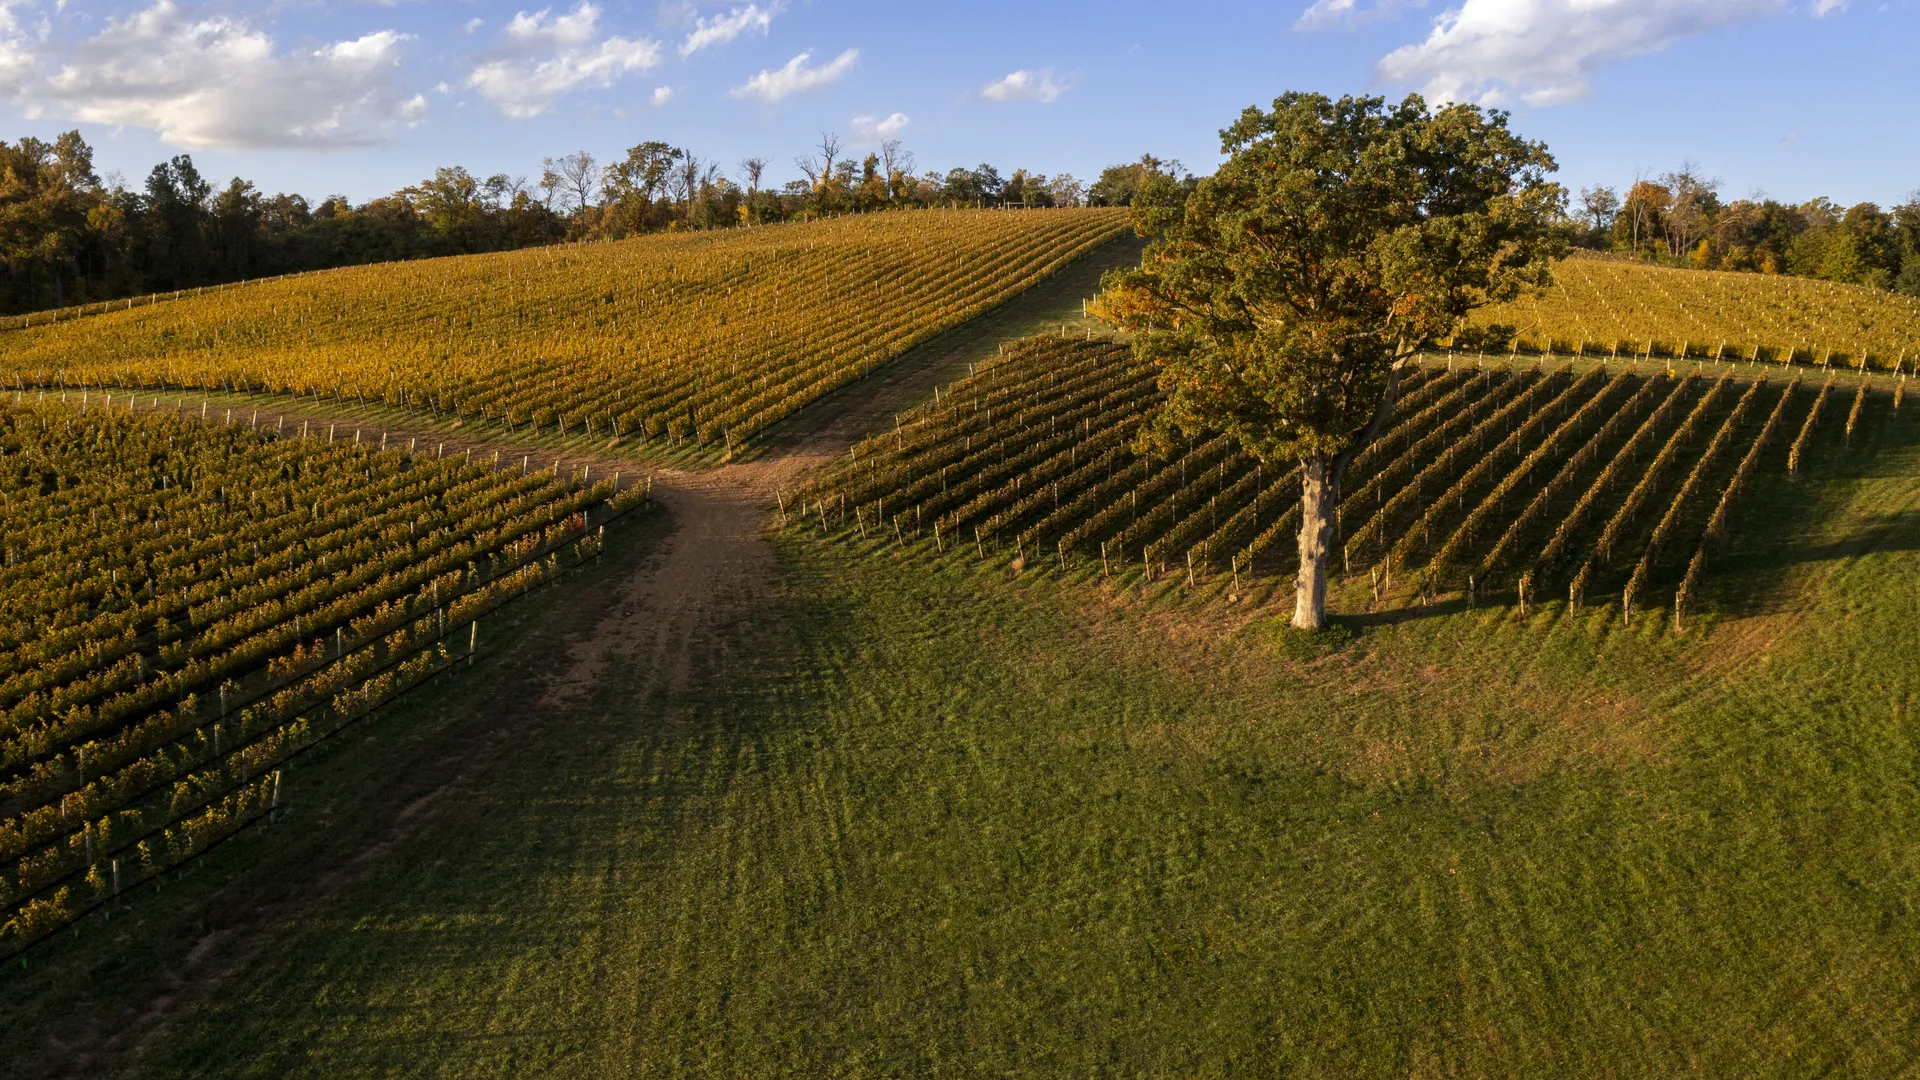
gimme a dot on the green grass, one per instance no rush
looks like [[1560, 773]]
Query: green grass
[[926, 820]]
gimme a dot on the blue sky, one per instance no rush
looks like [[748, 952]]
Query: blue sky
[[1794, 97]]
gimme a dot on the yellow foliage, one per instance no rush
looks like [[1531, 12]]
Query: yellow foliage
[[1610, 304], [710, 336]]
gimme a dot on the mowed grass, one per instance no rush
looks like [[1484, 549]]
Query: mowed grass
[[932, 821]]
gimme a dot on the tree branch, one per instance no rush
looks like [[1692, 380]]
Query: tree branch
[[1373, 428]]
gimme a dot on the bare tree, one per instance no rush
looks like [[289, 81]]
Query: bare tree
[[1694, 200], [819, 165], [753, 169], [573, 177], [499, 190], [895, 162], [686, 179]]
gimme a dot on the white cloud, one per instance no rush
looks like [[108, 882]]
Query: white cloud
[[1024, 85], [215, 82], [661, 95], [1824, 8], [475, 24], [724, 28], [574, 28], [1330, 13], [541, 59], [869, 129], [771, 86], [1546, 50], [17, 62]]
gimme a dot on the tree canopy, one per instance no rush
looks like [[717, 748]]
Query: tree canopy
[[1279, 298], [1339, 237]]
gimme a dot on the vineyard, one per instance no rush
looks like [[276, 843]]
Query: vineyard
[[188, 604], [701, 339], [1529, 480], [1614, 308]]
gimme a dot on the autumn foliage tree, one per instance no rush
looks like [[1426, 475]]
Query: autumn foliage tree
[[1280, 299]]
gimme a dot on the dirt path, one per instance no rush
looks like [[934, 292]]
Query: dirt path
[[706, 564], [716, 562]]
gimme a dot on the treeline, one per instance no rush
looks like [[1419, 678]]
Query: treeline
[[67, 237], [1679, 219], [658, 186]]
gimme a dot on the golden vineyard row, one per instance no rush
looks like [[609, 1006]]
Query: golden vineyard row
[[1611, 307], [708, 337]]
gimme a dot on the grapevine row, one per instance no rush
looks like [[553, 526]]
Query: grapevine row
[[703, 338], [210, 665]]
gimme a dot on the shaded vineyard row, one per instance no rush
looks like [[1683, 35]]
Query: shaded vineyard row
[[186, 605], [1528, 480]]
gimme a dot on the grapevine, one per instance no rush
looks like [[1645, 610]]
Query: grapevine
[[161, 661], [705, 338]]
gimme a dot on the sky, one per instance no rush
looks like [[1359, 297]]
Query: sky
[[1793, 98]]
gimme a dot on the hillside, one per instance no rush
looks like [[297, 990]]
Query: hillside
[[875, 793], [1522, 480], [803, 808], [705, 337], [1615, 307]]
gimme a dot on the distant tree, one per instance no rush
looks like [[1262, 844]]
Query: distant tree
[[1599, 205], [960, 188], [1906, 219], [684, 183], [1067, 191], [822, 172], [234, 230], [1026, 189], [1282, 296], [48, 196], [751, 170], [1119, 183], [871, 192], [1642, 215], [1858, 247], [631, 187], [896, 164], [987, 181], [1692, 201], [173, 238], [574, 178]]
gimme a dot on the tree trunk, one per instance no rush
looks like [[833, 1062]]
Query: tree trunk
[[1319, 494], [1320, 480]]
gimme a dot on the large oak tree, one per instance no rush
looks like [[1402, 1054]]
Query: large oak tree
[[1282, 296]]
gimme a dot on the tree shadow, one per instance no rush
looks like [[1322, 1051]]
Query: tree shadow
[[1440, 606]]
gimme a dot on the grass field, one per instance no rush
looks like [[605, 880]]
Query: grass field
[[914, 819]]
